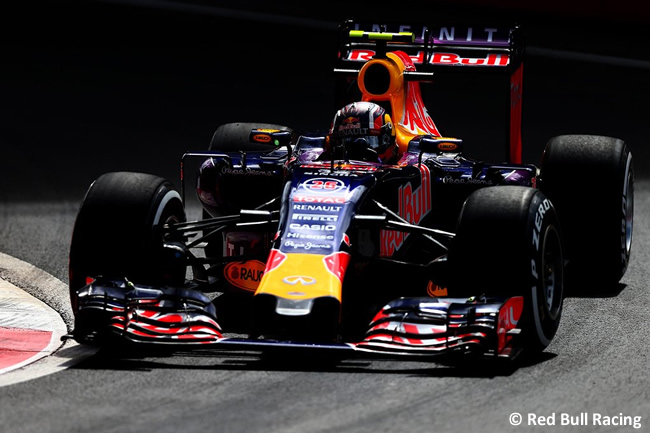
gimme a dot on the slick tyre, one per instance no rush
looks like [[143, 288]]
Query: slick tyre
[[508, 243], [117, 232], [590, 180], [234, 137]]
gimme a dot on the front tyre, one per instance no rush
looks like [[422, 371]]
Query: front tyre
[[117, 231], [508, 243]]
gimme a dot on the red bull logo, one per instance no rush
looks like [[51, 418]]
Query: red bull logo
[[442, 59], [413, 206]]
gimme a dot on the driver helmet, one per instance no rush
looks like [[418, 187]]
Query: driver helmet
[[365, 130]]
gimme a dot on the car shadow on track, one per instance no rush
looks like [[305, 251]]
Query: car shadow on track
[[223, 360], [593, 290], [582, 287]]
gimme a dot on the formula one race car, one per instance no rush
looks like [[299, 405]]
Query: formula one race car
[[378, 236]]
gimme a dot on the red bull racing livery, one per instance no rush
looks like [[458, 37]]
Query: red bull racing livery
[[379, 236]]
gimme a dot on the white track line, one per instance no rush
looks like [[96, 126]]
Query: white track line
[[19, 309]]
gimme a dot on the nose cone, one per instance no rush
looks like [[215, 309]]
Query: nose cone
[[314, 319], [300, 296]]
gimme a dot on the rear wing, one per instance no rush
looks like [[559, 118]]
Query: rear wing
[[432, 48], [438, 50]]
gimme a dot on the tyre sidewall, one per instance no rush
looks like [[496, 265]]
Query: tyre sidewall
[[118, 229], [590, 180], [542, 302], [499, 250]]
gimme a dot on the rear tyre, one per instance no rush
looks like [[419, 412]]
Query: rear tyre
[[590, 180], [236, 136], [508, 243], [117, 232]]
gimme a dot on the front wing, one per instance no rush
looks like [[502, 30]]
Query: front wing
[[116, 309]]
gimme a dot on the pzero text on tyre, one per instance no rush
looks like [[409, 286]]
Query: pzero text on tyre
[[508, 242]]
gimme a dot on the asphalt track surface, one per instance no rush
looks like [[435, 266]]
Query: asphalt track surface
[[85, 98]]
